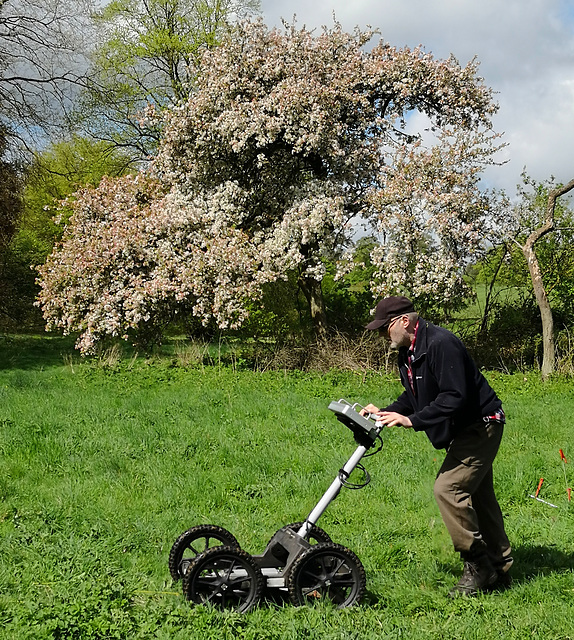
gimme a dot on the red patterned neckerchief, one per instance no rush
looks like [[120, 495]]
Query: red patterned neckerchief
[[411, 357]]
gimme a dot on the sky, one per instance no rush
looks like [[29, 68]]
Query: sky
[[526, 53]]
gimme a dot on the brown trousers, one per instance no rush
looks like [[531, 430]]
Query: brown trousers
[[465, 494]]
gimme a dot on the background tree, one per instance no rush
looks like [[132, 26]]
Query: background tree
[[10, 196], [542, 227], [286, 138], [43, 44], [11, 205], [144, 56], [512, 318], [311, 130], [53, 175]]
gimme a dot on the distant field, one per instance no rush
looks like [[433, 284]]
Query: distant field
[[501, 295], [103, 466]]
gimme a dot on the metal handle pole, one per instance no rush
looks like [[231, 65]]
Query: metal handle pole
[[332, 492]]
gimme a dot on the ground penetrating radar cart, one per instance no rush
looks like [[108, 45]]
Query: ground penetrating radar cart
[[300, 560]]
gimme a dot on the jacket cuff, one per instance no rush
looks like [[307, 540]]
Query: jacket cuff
[[416, 424]]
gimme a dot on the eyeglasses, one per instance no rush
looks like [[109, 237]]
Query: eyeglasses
[[388, 327]]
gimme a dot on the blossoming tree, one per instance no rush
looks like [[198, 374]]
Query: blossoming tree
[[134, 256], [287, 140], [313, 131]]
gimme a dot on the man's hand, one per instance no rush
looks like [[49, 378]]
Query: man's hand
[[388, 418], [370, 409], [392, 419]]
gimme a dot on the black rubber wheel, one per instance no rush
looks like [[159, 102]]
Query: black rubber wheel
[[225, 577], [195, 541], [315, 535], [327, 572]]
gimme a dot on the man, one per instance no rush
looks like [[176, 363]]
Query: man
[[448, 398]]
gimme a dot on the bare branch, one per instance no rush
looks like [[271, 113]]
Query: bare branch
[[43, 61]]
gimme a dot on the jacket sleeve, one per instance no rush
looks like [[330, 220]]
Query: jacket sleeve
[[401, 405]]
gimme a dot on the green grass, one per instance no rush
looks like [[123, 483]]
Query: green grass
[[102, 467]]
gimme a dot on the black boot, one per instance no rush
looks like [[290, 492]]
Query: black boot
[[502, 567], [502, 583], [478, 574]]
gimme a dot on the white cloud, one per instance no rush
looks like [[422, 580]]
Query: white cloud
[[526, 53]]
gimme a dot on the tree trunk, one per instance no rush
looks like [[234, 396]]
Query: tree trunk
[[548, 349], [549, 352], [314, 295]]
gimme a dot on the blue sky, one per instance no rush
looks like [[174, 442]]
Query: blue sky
[[526, 53]]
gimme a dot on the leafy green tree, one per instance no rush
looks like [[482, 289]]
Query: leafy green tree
[[536, 256], [10, 196], [144, 57], [544, 224], [56, 173], [348, 296], [60, 170]]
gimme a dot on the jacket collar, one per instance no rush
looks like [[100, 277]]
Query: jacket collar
[[421, 342]]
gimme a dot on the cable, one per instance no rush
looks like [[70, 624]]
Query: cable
[[372, 453], [344, 478]]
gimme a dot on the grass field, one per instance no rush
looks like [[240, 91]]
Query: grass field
[[103, 465]]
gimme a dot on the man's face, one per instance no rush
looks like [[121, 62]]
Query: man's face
[[396, 332]]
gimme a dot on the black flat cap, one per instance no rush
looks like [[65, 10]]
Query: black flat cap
[[389, 308]]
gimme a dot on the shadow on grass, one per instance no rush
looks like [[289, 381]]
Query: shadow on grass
[[530, 562], [35, 351], [534, 561]]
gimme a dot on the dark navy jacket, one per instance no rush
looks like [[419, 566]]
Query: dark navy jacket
[[449, 393]]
